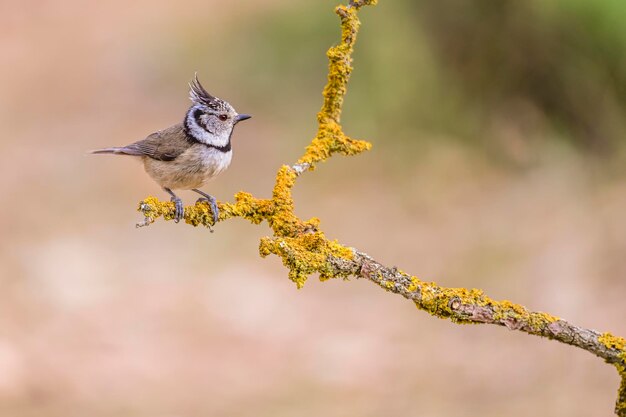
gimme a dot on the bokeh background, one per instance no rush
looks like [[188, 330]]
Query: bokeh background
[[498, 163]]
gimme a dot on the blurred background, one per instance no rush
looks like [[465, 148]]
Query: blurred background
[[498, 163]]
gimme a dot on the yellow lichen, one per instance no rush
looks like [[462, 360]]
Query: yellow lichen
[[506, 311], [620, 406], [619, 343], [246, 206], [152, 209], [413, 285], [612, 342], [329, 140], [306, 254], [436, 299], [440, 301]]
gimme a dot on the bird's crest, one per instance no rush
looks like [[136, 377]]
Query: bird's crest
[[198, 94]]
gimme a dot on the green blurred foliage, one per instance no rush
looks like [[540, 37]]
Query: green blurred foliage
[[562, 59], [496, 75]]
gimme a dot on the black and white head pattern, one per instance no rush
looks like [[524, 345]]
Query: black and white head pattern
[[210, 120]]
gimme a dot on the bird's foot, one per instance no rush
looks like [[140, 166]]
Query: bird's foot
[[213, 203], [180, 210]]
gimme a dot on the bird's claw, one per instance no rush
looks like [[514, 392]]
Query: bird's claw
[[213, 203], [180, 210]]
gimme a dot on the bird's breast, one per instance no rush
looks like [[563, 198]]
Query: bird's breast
[[191, 169], [213, 160]]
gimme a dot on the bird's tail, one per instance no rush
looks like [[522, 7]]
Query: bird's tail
[[112, 151]]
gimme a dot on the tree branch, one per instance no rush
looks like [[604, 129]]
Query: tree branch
[[305, 250]]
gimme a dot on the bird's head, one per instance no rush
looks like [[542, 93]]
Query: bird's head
[[210, 120]]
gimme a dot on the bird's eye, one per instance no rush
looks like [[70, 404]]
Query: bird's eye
[[223, 117]]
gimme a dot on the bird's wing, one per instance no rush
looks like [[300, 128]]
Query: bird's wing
[[165, 145]]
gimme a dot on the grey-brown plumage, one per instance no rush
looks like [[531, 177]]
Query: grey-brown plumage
[[186, 155]]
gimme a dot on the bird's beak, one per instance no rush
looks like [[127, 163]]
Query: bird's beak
[[241, 117]]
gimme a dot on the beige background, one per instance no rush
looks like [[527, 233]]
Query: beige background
[[98, 318]]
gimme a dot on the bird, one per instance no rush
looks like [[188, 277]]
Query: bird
[[188, 154]]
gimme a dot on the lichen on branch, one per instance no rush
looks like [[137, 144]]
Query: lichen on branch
[[305, 250]]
